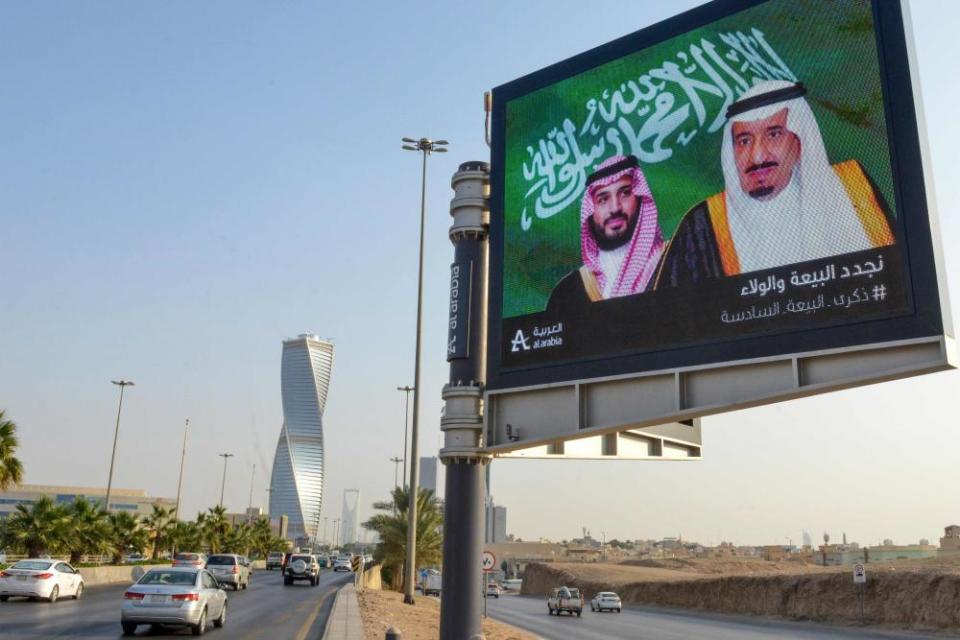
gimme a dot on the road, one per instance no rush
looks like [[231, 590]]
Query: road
[[644, 623], [266, 610]]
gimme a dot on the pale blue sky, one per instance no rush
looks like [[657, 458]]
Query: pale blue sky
[[183, 185]]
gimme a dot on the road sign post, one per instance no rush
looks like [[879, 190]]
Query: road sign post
[[860, 579], [488, 562]]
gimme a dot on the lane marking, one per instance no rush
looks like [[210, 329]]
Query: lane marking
[[305, 627]]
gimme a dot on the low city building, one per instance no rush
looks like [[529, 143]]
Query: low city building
[[950, 542], [133, 501]]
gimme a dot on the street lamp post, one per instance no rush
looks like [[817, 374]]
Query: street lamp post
[[396, 467], [183, 456], [116, 433], [223, 483], [425, 146], [406, 416]]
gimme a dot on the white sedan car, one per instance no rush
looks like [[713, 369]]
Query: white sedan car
[[37, 578], [606, 600]]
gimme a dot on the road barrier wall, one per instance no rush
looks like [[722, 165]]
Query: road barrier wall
[[370, 578], [113, 574], [910, 598]]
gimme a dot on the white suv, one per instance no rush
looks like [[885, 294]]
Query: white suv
[[302, 566]]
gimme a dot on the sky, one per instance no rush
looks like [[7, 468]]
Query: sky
[[184, 185]]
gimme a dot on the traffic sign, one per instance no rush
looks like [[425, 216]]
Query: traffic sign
[[489, 561], [859, 574]]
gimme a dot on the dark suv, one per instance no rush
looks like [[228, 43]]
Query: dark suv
[[302, 566]]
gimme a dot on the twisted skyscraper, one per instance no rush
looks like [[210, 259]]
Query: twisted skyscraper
[[296, 484]]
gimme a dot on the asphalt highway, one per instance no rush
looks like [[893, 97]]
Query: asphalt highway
[[266, 610], [530, 613]]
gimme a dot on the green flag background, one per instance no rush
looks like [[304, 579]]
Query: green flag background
[[665, 104]]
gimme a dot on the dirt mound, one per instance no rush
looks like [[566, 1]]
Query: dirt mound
[[728, 566], [913, 598]]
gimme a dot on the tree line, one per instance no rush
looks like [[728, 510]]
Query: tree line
[[84, 528]]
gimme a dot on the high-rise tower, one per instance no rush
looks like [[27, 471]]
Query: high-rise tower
[[351, 517], [296, 483]]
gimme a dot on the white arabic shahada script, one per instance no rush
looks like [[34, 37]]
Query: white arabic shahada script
[[647, 116]]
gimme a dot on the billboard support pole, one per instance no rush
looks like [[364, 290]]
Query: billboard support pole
[[462, 421]]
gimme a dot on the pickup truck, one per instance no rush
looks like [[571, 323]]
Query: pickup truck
[[565, 599]]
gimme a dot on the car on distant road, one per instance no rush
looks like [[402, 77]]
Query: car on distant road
[[606, 600], [492, 591], [190, 559], [302, 566], [135, 557], [342, 564], [39, 578], [230, 569], [432, 583], [175, 596], [275, 560], [565, 599]]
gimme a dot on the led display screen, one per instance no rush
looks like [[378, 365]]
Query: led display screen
[[732, 185]]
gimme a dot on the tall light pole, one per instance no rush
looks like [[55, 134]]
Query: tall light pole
[[396, 467], [425, 146], [223, 483], [325, 541], [336, 532], [253, 474], [183, 456], [116, 433], [406, 420]]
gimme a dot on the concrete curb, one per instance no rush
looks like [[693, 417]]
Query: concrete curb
[[326, 625], [344, 622]]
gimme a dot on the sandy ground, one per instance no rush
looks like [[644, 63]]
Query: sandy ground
[[384, 609]]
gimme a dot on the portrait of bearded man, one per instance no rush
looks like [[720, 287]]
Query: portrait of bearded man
[[620, 237], [784, 202]]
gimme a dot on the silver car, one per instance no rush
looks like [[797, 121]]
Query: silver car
[[177, 596], [606, 600], [230, 569]]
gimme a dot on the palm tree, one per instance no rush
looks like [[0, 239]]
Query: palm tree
[[125, 535], [238, 540], [11, 469], [261, 537], [89, 530], [215, 527], [185, 536], [159, 524], [391, 525], [38, 529]]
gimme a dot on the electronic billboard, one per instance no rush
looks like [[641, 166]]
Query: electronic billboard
[[742, 182]]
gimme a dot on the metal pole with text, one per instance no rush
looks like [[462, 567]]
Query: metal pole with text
[[462, 421]]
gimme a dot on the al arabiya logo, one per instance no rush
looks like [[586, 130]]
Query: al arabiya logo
[[519, 342]]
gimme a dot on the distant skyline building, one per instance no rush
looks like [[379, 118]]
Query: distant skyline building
[[428, 474], [296, 482], [133, 501], [350, 517], [495, 531]]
